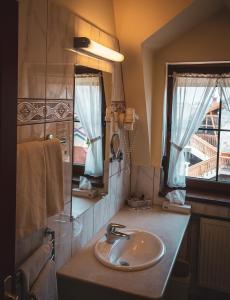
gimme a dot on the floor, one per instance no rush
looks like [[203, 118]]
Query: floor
[[205, 294]]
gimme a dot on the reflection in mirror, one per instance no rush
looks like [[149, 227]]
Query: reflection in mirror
[[90, 137], [115, 148], [115, 145]]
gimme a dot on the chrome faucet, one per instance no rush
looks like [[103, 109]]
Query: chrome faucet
[[112, 235]]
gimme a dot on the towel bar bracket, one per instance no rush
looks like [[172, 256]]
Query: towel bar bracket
[[50, 137], [8, 289]]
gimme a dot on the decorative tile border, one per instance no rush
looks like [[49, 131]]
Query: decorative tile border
[[59, 110], [30, 111]]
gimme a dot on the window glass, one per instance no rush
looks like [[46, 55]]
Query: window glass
[[207, 154], [224, 157], [225, 117]]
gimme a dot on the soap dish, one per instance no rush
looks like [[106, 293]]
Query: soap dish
[[139, 203]]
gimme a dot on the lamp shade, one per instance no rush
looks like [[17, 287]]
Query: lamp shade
[[88, 46]]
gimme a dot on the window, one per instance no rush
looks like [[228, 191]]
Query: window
[[203, 154], [88, 143]]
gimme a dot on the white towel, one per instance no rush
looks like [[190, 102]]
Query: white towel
[[31, 189], [45, 287], [176, 196], [54, 177], [31, 268]]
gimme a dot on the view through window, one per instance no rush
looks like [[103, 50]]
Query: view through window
[[80, 142], [207, 154]]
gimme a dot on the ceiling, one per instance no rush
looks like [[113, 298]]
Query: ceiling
[[195, 13]]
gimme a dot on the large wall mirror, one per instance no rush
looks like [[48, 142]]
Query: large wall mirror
[[92, 93]]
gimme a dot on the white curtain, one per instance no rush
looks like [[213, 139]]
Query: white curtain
[[191, 99], [224, 84], [88, 102]]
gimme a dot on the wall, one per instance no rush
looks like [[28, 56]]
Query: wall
[[45, 105], [135, 22], [97, 12], [201, 44], [45, 90]]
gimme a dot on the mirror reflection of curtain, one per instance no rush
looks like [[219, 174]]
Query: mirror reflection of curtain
[[191, 100], [88, 103]]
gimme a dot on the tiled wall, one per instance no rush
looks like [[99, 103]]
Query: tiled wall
[[45, 106], [45, 92], [100, 213], [142, 181]]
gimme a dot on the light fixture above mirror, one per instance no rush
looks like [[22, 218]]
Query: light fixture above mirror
[[87, 46]]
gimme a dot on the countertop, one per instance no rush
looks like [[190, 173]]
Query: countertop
[[149, 283]]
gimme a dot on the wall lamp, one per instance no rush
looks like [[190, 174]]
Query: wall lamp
[[89, 47]]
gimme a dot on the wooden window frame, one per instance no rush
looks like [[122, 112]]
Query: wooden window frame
[[192, 184], [78, 170]]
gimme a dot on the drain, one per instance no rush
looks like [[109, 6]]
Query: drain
[[123, 263]]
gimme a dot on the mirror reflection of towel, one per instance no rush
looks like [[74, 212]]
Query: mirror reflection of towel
[[39, 185], [32, 267], [54, 177], [31, 188]]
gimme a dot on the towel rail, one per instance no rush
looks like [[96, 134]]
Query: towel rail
[[51, 136], [18, 279]]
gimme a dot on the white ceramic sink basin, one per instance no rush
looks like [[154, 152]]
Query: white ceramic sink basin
[[141, 251]]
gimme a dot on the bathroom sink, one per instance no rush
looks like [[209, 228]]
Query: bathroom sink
[[141, 251]]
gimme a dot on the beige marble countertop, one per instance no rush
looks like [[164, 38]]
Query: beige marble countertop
[[149, 283]]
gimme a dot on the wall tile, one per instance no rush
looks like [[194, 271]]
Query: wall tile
[[32, 48], [57, 110], [25, 247], [113, 195], [156, 186], [28, 133], [126, 184], [125, 164], [121, 190], [30, 111], [87, 221], [60, 81], [114, 168], [81, 204], [63, 234], [67, 208], [101, 213], [142, 181], [60, 62]]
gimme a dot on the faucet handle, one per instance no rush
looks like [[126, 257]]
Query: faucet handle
[[112, 227]]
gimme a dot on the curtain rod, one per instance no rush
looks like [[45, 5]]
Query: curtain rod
[[88, 75], [193, 75]]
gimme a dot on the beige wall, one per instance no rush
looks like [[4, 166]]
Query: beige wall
[[136, 20], [207, 42], [98, 12]]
